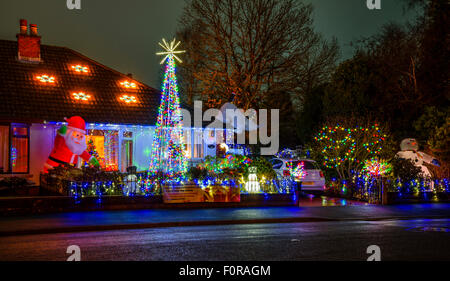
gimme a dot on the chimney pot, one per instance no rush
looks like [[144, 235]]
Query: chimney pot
[[23, 27], [28, 46], [33, 30]]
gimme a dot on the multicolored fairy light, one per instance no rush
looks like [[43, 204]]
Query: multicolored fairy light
[[111, 150], [297, 171], [13, 156], [217, 165], [340, 145], [168, 141], [377, 167]]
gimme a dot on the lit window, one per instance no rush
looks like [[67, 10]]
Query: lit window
[[80, 68], [128, 99], [19, 149], [46, 79], [128, 84], [81, 96], [105, 143]]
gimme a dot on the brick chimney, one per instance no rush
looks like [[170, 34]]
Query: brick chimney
[[29, 45]]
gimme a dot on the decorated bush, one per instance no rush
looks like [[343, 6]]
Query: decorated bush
[[84, 181], [228, 167]]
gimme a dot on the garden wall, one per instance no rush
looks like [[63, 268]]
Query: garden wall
[[421, 197], [54, 204]]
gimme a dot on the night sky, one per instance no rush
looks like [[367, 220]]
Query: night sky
[[124, 34]]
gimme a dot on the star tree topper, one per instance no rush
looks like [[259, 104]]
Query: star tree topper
[[170, 50]]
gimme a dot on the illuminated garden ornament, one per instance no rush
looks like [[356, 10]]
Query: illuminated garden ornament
[[297, 172], [376, 167], [168, 142], [252, 185]]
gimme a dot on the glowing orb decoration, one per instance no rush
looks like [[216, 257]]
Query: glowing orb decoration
[[170, 50], [80, 68], [81, 96], [252, 185], [128, 84], [376, 167], [128, 99], [46, 78]]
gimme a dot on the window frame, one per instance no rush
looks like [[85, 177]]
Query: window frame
[[10, 139], [122, 139]]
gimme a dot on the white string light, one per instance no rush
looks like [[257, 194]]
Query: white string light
[[170, 50]]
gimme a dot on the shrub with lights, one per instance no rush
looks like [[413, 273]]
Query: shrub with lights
[[227, 167], [265, 175], [84, 181], [369, 181], [345, 146], [235, 170]]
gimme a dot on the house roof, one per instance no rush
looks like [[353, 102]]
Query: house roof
[[26, 99]]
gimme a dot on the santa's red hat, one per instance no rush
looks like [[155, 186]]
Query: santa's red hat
[[76, 123]]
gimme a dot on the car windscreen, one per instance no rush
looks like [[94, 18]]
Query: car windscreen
[[276, 164]]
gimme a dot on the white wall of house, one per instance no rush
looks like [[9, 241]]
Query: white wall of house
[[42, 139], [142, 141]]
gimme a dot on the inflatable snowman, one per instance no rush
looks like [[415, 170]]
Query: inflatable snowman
[[409, 150]]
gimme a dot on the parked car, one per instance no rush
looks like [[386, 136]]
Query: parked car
[[313, 180]]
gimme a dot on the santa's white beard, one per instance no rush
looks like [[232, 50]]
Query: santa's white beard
[[76, 148]]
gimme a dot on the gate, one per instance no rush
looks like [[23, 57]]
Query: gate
[[370, 189]]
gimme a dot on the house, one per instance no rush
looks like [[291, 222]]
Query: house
[[40, 85]]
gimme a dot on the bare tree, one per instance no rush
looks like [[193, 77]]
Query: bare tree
[[249, 50]]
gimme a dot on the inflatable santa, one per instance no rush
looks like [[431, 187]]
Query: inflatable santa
[[409, 150], [70, 142]]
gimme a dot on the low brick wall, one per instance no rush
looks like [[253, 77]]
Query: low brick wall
[[55, 204], [421, 197]]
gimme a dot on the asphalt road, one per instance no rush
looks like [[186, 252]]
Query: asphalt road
[[423, 239]]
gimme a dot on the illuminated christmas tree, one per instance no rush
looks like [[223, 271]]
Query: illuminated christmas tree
[[92, 149], [168, 142]]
